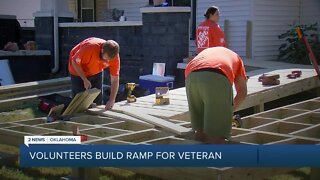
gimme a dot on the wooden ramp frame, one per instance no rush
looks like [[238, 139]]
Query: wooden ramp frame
[[293, 124]]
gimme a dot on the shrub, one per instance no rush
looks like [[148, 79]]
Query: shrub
[[293, 50]]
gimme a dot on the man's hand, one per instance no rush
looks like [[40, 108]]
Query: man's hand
[[86, 84], [109, 105]]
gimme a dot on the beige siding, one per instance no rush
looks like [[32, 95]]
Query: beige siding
[[270, 19], [101, 6], [237, 13], [310, 12], [73, 8], [131, 8]]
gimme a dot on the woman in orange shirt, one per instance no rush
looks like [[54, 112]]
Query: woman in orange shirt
[[209, 33]]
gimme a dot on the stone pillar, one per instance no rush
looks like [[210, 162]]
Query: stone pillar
[[165, 35], [43, 23]]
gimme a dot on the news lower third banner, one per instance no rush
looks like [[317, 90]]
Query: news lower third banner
[[77, 155]]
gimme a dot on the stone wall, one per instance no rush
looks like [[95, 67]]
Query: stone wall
[[128, 37], [161, 37], [165, 39], [44, 33]]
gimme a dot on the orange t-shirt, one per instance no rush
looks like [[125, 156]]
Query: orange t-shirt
[[221, 58], [87, 56], [209, 34]]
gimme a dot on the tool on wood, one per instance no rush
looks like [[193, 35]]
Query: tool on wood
[[130, 97], [312, 57], [294, 74], [269, 79], [236, 121], [162, 96]]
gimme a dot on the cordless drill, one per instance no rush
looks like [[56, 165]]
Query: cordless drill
[[236, 121], [130, 87]]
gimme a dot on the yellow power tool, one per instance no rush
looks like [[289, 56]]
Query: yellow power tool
[[130, 97], [236, 121]]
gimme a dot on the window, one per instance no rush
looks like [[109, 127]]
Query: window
[[87, 10]]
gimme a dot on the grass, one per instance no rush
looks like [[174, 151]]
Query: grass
[[21, 114], [10, 173]]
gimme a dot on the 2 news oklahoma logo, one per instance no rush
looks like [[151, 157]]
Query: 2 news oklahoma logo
[[203, 39]]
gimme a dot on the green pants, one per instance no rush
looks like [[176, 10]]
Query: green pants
[[210, 98]]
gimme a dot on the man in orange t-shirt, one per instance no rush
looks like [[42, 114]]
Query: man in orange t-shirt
[[209, 33], [87, 61], [209, 79]]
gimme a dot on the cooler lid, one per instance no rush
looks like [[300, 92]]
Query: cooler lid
[[157, 78]]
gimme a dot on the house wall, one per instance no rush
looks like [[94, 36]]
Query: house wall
[[237, 13], [73, 8], [22, 9], [129, 38], [310, 12], [270, 19], [101, 6], [131, 8], [165, 39]]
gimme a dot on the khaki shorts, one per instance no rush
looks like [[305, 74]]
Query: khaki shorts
[[210, 98]]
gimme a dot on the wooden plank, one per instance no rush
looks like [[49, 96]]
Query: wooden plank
[[296, 141], [92, 95], [282, 127], [99, 110], [142, 136], [82, 101], [287, 87], [258, 138], [153, 120], [126, 125], [10, 104], [258, 108], [306, 118], [73, 103], [168, 107], [281, 113], [256, 121], [312, 132], [34, 88]]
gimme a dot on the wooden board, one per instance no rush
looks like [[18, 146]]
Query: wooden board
[[169, 126], [34, 88], [82, 101], [9, 104], [99, 110]]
